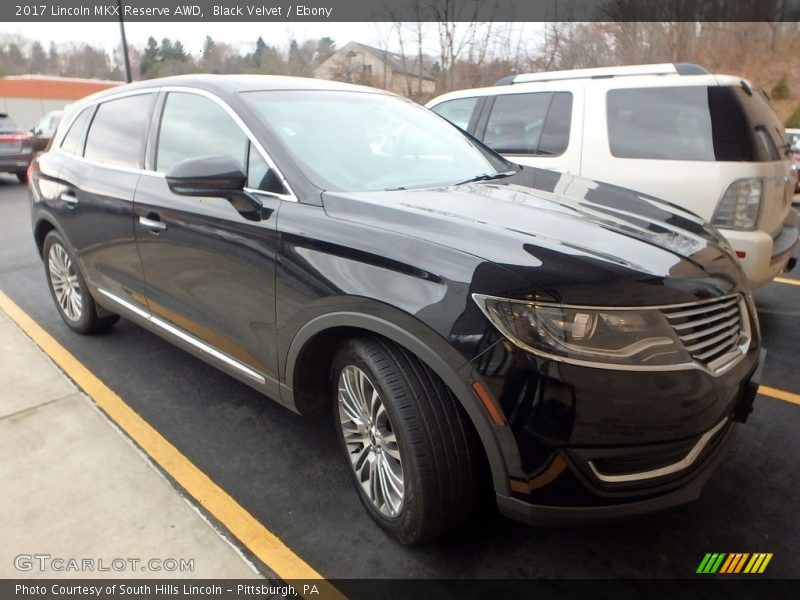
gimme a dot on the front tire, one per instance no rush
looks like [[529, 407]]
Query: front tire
[[413, 453], [69, 290]]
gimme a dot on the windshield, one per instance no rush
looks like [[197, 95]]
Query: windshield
[[357, 142]]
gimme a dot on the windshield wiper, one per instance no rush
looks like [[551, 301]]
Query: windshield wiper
[[483, 177], [488, 177]]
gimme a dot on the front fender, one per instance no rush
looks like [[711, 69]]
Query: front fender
[[432, 350]]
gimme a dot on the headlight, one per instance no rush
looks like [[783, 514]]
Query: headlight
[[629, 337], [740, 205]]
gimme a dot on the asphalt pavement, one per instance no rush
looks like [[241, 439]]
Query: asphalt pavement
[[286, 471]]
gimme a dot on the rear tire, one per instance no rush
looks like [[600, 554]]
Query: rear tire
[[399, 424], [69, 290]]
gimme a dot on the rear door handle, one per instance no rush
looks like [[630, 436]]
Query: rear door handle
[[154, 225], [69, 197]]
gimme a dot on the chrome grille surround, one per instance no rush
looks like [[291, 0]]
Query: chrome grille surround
[[716, 333]]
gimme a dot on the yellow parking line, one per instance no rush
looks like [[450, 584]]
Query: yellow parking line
[[787, 280], [779, 394], [250, 532]]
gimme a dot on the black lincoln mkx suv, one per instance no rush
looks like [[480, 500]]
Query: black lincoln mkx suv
[[467, 322]]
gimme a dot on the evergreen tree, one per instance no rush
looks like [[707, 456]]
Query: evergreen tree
[[149, 58], [326, 47], [37, 63]]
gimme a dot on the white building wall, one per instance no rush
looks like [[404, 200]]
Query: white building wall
[[26, 112]]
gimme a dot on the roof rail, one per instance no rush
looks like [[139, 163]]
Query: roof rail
[[603, 72]]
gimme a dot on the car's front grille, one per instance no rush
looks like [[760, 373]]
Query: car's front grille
[[711, 331]]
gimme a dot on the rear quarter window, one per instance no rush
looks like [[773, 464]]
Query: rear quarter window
[[118, 131], [694, 123], [72, 142]]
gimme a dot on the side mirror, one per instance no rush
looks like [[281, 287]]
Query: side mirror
[[220, 176]]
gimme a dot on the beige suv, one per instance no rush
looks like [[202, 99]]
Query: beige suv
[[708, 143]]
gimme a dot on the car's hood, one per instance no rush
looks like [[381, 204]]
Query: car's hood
[[560, 232]]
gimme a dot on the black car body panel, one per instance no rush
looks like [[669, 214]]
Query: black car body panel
[[273, 296], [231, 298]]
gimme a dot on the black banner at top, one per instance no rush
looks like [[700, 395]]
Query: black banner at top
[[400, 10]]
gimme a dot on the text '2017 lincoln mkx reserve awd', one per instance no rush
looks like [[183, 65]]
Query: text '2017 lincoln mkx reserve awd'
[[468, 323]]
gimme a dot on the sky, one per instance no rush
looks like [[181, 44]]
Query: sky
[[241, 36]]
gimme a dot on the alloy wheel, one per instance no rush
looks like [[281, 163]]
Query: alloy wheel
[[370, 441], [64, 280]]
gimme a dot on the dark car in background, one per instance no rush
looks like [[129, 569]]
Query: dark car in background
[[468, 323], [15, 148], [43, 131]]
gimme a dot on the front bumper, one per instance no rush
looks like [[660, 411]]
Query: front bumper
[[547, 515], [578, 448]]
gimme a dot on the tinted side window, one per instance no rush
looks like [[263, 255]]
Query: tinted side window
[[74, 138], [194, 126], [555, 137], [763, 121], [666, 123], [118, 131], [793, 140], [693, 123], [732, 139], [517, 122], [458, 112], [767, 144]]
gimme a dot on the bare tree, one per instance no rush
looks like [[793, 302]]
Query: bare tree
[[452, 18]]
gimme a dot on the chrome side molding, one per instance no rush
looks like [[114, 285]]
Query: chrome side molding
[[182, 335]]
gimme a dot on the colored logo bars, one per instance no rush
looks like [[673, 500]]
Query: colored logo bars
[[737, 562]]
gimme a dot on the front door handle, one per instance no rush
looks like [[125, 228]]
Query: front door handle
[[154, 225], [70, 198]]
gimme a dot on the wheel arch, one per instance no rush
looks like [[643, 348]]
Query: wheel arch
[[44, 223], [318, 338], [41, 228]]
